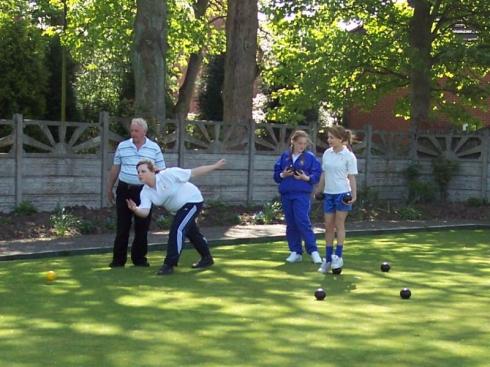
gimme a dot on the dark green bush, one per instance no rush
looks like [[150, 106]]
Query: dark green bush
[[409, 213], [444, 170], [476, 202], [87, 227], [420, 192], [25, 208]]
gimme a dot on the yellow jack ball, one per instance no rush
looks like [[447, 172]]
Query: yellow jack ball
[[50, 276]]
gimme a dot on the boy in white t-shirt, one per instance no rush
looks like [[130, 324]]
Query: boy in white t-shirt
[[171, 189], [338, 181]]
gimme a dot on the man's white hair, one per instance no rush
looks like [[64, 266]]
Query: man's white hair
[[140, 122]]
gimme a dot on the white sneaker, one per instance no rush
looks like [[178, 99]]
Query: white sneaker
[[315, 257], [337, 262], [294, 258], [325, 267]]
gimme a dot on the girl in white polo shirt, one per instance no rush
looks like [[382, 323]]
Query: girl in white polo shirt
[[170, 188], [338, 181]]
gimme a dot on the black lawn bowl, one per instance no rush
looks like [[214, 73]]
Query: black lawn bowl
[[385, 267], [405, 293], [337, 271], [320, 294], [347, 199]]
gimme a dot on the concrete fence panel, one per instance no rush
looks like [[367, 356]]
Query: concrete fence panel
[[50, 163]]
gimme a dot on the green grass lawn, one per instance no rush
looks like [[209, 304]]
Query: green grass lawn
[[251, 309]]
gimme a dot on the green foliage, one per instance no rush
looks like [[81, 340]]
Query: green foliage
[[211, 88], [110, 223], [104, 49], [25, 208], [336, 54], [476, 202], [23, 74], [412, 172], [6, 220], [410, 213], [444, 170], [64, 223], [86, 226], [418, 191], [227, 214], [53, 96], [164, 221], [367, 205], [270, 213]]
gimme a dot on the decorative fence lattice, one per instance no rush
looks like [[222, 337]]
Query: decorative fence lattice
[[49, 163]]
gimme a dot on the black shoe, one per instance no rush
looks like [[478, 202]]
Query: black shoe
[[205, 262], [116, 265], [145, 264], [165, 270]]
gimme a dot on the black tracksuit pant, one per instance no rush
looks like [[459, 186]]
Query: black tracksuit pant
[[184, 225], [139, 248]]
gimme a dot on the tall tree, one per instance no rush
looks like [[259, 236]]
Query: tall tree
[[186, 90], [240, 61], [353, 51], [23, 72], [211, 90], [149, 59]]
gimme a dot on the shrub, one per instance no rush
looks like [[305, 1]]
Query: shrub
[[410, 213], [270, 213], [418, 191], [412, 172], [110, 223], [64, 223], [366, 205], [87, 227], [444, 170], [6, 220], [476, 202], [25, 208], [163, 222]]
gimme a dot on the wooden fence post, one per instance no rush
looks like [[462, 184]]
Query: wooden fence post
[[18, 121], [367, 161], [251, 162], [181, 123], [313, 135], [104, 150], [485, 160]]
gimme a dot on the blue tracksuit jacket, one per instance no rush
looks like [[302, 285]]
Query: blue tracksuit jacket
[[296, 200], [307, 162]]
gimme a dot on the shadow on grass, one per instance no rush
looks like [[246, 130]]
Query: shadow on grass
[[253, 309]]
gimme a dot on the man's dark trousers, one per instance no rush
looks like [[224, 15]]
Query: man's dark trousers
[[139, 248]]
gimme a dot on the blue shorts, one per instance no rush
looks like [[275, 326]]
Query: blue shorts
[[333, 203]]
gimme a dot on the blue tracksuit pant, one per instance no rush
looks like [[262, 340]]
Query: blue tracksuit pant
[[184, 225], [298, 225]]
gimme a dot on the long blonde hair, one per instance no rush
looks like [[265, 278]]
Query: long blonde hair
[[299, 134], [341, 133]]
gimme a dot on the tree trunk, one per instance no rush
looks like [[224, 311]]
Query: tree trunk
[[240, 64], [186, 91], [421, 64], [149, 61]]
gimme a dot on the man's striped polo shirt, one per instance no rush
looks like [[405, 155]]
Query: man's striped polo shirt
[[127, 156]]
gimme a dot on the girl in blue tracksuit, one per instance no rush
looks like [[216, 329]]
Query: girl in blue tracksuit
[[297, 171]]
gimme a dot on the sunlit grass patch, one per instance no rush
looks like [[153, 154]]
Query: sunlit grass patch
[[253, 309]]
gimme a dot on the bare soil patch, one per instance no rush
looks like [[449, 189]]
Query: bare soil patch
[[97, 221]]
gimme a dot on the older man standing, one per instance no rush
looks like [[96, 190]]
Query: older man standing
[[128, 153]]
